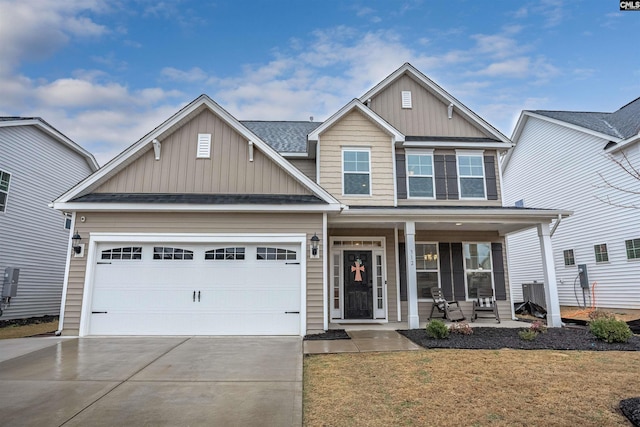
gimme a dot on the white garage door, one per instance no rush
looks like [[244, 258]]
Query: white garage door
[[196, 289]]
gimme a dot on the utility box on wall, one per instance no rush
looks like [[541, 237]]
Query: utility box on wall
[[10, 282]]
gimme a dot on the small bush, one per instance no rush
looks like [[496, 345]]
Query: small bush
[[527, 334], [437, 329], [461, 328], [601, 314], [538, 326], [610, 330]]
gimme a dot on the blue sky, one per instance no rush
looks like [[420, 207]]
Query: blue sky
[[107, 72]]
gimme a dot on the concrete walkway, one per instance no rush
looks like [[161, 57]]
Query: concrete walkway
[[158, 381], [362, 341]]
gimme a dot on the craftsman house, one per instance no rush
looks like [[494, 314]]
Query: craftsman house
[[210, 225]]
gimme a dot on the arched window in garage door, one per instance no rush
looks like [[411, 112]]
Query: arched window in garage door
[[164, 253], [126, 253]]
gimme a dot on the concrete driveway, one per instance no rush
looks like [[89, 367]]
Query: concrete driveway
[[154, 381]]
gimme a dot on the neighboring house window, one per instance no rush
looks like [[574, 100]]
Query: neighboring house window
[[471, 175], [273, 254], [420, 180], [5, 177], [160, 252], [356, 172], [67, 221], [225, 254], [601, 253], [478, 267], [134, 252], [633, 248], [569, 259], [427, 268]]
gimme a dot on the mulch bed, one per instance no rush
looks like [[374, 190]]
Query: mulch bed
[[631, 409], [29, 321], [331, 334], [497, 338]]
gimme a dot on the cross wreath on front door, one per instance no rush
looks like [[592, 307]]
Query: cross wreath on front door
[[358, 268]]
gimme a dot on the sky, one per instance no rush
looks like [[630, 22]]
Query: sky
[[105, 73]]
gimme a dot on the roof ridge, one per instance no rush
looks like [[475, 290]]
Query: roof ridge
[[627, 104]]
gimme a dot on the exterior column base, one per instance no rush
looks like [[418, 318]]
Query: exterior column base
[[414, 322], [554, 320]]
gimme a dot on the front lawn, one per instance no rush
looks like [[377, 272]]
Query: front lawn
[[469, 388]]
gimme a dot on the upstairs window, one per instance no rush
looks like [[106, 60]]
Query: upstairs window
[[471, 176], [633, 248], [569, 259], [356, 172], [420, 175], [5, 177], [602, 255]]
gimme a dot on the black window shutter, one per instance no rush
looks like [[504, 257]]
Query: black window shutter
[[457, 262], [490, 177], [402, 260], [498, 271], [401, 175], [440, 176], [452, 177], [445, 270]]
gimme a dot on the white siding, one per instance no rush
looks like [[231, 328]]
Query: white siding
[[32, 234], [556, 167]]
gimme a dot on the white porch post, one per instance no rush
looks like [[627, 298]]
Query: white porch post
[[550, 284], [412, 288]]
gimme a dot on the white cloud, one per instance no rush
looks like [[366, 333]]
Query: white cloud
[[190, 76]]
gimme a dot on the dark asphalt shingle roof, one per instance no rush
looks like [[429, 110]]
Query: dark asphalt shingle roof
[[204, 199], [623, 123], [284, 137]]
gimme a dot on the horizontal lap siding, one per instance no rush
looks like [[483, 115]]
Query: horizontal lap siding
[[354, 130], [227, 171], [197, 223]]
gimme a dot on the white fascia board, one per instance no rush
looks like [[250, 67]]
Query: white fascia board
[[427, 82], [574, 127], [461, 144], [186, 207], [450, 215], [287, 155], [199, 237], [356, 104], [623, 144], [57, 135]]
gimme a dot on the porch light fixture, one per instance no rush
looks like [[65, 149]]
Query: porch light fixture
[[76, 242], [315, 242]]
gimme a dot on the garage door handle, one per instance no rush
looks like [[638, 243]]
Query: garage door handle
[[194, 296], [292, 263], [198, 296], [98, 312], [291, 312]]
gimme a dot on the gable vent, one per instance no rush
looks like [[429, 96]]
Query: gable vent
[[204, 146], [406, 99]]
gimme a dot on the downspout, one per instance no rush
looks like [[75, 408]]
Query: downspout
[[557, 223], [65, 282]]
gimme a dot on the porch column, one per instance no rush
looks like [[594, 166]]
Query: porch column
[[412, 288], [550, 284]]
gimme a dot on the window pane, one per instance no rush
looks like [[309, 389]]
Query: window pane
[[426, 281], [419, 164], [4, 181], [470, 166], [3, 201], [476, 280], [568, 257], [426, 256], [356, 183], [633, 248], [472, 187], [477, 256], [420, 187]]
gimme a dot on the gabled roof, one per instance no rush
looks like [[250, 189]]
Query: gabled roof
[[169, 126], [434, 88], [52, 132], [283, 136], [356, 105]]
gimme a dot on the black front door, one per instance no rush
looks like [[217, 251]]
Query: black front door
[[358, 285]]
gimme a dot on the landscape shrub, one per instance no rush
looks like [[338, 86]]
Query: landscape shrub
[[437, 329], [601, 314], [462, 328], [610, 330], [527, 334], [538, 326]]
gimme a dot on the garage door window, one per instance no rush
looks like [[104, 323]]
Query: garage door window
[[123, 253], [275, 254], [161, 252], [225, 254]]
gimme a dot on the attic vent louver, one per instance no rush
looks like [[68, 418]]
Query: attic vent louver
[[204, 146], [406, 99]]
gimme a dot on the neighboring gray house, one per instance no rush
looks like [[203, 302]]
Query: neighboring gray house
[[564, 159], [37, 164]]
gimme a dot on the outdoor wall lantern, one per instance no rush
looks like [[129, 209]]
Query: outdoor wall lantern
[[315, 242], [76, 243]]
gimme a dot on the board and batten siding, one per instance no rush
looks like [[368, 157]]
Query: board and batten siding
[[228, 171], [306, 166], [354, 131], [198, 223], [32, 236], [428, 115], [556, 167]]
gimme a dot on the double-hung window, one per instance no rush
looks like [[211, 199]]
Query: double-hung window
[[356, 167], [478, 267], [420, 180], [471, 175], [633, 248], [426, 268], [602, 255], [5, 177]]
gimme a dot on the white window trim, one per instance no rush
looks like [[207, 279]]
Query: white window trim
[[6, 199], [357, 149], [407, 153], [429, 299], [470, 153], [464, 261]]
